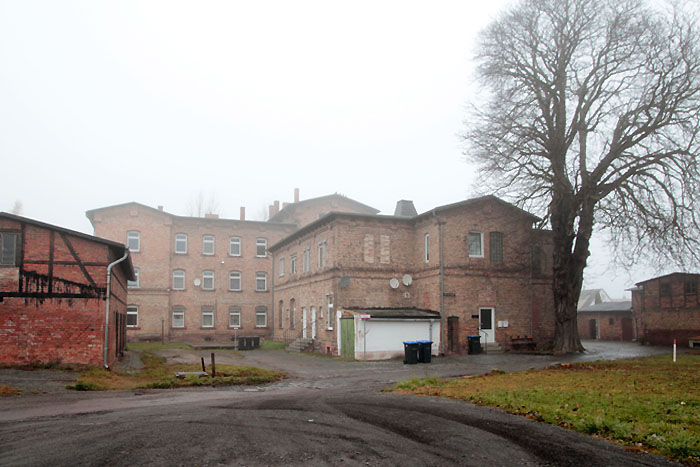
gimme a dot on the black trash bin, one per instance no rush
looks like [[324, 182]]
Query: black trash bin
[[474, 344], [256, 342], [425, 349], [243, 343], [410, 349]]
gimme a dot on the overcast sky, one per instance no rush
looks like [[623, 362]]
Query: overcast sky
[[103, 103]]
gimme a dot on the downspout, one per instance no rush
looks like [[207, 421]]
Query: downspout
[[272, 294], [442, 284], [109, 293]]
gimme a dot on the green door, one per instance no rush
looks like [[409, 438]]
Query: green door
[[347, 337]]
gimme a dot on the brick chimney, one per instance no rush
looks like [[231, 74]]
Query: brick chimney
[[242, 213], [211, 215], [277, 206], [296, 195]]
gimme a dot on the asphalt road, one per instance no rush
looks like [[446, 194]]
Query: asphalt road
[[328, 412]]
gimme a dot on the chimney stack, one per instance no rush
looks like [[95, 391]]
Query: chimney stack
[[160, 207], [270, 212], [277, 206], [405, 208], [242, 213], [296, 195], [211, 215]]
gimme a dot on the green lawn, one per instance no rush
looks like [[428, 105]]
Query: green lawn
[[651, 404]]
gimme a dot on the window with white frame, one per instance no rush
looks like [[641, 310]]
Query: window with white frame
[[261, 247], [476, 244], [281, 267], [234, 246], [426, 248], [178, 279], [260, 316], [306, 260], [234, 317], [178, 317], [322, 254], [208, 245], [207, 316], [293, 264], [207, 280], [234, 280], [261, 281], [329, 318], [9, 242], [181, 244], [133, 240], [132, 316], [135, 283]]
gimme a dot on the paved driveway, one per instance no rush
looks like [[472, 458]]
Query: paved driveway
[[328, 412]]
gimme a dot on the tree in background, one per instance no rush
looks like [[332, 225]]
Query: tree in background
[[591, 117]]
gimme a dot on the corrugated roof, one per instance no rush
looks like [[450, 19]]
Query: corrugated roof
[[396, 313]]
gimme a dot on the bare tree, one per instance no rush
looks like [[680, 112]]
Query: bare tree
[[199, 207], [591, 119], [18, 207]]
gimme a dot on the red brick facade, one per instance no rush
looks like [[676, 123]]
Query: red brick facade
[[352, 259], [53, 295], [668, 308], [191, 309]]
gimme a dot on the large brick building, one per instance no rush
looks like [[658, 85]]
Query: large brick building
[[479, 263], [62, 294], [667, 308], [205, 277]]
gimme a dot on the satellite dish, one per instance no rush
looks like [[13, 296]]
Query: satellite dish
[[394, 283], [407, 280], [197, 282], [344, 282]]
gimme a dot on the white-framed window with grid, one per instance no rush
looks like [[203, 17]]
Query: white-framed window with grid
[[207, 316], [132, 316], [234, 246], [181, 244], [234, 317], [207, 280], [234, 281], [261, 281], [133, 240], [178, 317], [208, 245], [178, 279]]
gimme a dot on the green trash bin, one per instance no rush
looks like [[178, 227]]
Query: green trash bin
[[425, 350], [410, 349], [474, 344]]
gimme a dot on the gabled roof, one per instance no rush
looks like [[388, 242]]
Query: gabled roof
[[621, 306], [690, 274], [289, 209], [118, 248], [477, 201], [590, 297], [91, 212]]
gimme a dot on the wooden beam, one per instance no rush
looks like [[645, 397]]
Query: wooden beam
[[77, 259]]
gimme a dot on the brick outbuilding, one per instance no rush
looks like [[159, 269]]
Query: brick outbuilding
[[56, 300], [667, 308]]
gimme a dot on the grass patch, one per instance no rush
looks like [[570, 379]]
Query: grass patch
[[155, 346], [648, 403], [6, 391], [267, 344], [157, 374]]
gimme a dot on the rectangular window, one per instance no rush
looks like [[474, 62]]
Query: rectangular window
[[293, 264], [426, 248], [207, 316], [208, 245], [496, 247], [261, 281], [178, 319], [281, 267], [691, 288], [132, 316], [234, 280], [178, 279], [234, 317], [476, 244], [322, 256], [305, 260], [384, 249], [181, 244], [260, 317], [133, 240], [329, 312], [135, 283], [261, 247], [234, 246], [665, 289], [9, 249], [208, 280]]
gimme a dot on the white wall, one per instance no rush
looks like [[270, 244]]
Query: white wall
[[385, 338]]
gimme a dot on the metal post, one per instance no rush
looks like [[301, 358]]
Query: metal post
[[162, 331], [213, 366]]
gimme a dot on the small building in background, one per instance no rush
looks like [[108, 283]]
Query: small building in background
[[667, 308], [55, 301], [611, 320]]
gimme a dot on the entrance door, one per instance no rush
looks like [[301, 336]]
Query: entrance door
[[593, 329], [347, 337], [313, 322], [627, 329], [453, 334], [303, 323], [486, 327]]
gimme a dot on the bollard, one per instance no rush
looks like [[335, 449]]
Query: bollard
[[213, 366]]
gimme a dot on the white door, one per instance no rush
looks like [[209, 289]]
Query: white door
[[487, 330], [303, 323], [313, 322]]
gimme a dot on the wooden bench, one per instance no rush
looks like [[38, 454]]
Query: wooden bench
[[520, 343]]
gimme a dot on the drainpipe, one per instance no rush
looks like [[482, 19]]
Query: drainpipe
[[442, 284], [109, 293]]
